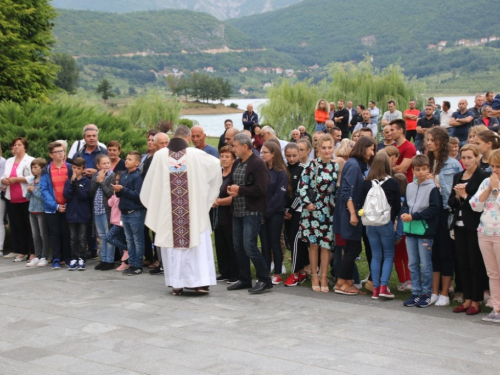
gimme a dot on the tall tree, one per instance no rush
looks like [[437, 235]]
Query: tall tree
[[67, 76], [25, 43], [105, 89]]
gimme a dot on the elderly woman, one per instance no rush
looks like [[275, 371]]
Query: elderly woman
[[15, 179], [295, 135]]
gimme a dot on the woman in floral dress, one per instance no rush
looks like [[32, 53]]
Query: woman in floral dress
[[317, 191]]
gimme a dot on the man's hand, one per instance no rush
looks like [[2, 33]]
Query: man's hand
[[117, 188], [406, 218], [233, 190], [61, 208]]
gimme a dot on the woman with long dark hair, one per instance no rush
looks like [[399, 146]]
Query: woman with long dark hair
[[382, 238], [279, 187], [350, 200], [317, 192], [486, 141], [465, 223], [442, 167]]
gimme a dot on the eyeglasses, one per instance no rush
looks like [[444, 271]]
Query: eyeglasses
[[58, 152]]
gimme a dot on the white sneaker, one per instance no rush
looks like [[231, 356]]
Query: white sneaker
[[443, 301], [401, 287], [434, 298], [43, 263], [33, 262], [272, 267], [408, 285], [283, 269]]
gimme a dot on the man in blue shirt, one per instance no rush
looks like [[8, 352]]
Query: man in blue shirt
[[249, 118], [461, 121], [90, 151], [198, 137]]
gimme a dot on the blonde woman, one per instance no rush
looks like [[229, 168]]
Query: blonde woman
[[475, 130], [321, 114]]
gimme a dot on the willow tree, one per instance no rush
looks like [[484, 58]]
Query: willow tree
[[291, 105], [150, 110]]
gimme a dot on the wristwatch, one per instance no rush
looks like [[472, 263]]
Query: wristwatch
[[494, 191]]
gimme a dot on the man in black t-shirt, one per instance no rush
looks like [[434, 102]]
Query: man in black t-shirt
[[424, 124], [341, 118]]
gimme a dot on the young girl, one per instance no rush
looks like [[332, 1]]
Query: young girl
[[401, 254], [100, 191], [38, 220], [321, 114], [487, 201], [279, 187], [292, 218], [257, 139], [486, 141], [382, 238], [116, 235]]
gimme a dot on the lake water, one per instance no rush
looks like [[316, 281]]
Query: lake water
[[214, 124]]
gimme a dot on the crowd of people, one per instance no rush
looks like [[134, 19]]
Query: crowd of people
[[424, 199]]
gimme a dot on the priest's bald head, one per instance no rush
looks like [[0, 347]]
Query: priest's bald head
[[183, 132]]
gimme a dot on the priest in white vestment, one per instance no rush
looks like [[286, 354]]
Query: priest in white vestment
[[180, 188]]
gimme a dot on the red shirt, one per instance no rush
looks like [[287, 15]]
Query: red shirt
[[486, 121], [407, 151], [411, 124], [59, 177]]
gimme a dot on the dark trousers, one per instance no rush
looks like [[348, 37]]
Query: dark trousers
[[149, 255], [78, 234], [352, 251], [224, 249], [59, 236], [20, 216], [270, 238], [411, 134], [299, 248], [13, 230], [442, 250], [245, 232], [91, 238], [470, 263], [368, 252]]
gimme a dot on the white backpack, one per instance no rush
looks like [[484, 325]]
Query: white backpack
[[376, 210]]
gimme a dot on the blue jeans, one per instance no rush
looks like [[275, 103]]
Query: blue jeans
[[107, 250], [383, 242], [116, 237], [133, 224], [320, 127], [245, 232], [420, 264], [270, 238]]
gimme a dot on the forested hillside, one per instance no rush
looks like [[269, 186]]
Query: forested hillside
[[320, 31], [222, 9], [167, 31]]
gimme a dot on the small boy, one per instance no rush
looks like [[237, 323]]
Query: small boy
[[78, 213], [38, 218], [133, 212], [421, 209]]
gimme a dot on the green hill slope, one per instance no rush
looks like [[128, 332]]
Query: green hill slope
[[321, 31], [222, 9], [166, 31]]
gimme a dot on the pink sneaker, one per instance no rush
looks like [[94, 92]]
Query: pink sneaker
[[124, 266], [385, 292], [124, 256]]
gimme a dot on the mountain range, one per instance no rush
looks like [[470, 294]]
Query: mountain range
[[222, 9]]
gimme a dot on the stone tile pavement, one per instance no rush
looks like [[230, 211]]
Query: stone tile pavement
[[94, 322]]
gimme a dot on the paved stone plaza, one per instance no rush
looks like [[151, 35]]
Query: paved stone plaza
[[93, 322]]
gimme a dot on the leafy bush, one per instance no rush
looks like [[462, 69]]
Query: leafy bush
[[187, 122], [64, 118], [233, 105]]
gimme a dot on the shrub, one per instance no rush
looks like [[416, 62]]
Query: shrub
[[233, 105]]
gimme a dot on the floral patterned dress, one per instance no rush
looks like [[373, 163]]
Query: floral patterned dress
[[316, 226]]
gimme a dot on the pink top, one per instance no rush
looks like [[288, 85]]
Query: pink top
[[116, 215], [16, 191]]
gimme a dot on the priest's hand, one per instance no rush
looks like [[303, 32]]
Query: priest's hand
[[233, 190], [117, 188]]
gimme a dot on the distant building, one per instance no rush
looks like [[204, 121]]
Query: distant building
[[243, 92], [266, 85], [243, 69], [279, 71], [289, 72], [369, 40]]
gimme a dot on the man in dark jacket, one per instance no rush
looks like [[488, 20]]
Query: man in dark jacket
[[249, 118], [248, 186]]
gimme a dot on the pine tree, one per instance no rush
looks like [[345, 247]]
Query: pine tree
[[105, 89]]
